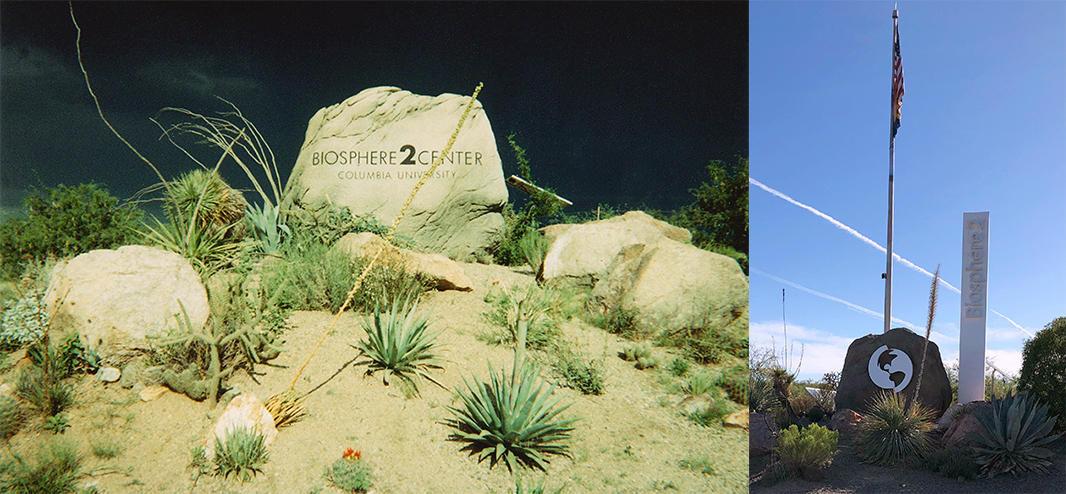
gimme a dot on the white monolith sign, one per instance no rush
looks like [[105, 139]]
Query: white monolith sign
[[974, 307]]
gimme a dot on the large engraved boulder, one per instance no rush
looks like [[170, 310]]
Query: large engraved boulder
[[670, 286], [368, 152], [581, 254], [117, 298], [891, 362]]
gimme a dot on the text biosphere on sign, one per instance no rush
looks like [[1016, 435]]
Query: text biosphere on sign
[[406, 155]]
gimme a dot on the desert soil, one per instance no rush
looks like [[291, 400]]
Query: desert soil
[[631, 439], [848, 475]]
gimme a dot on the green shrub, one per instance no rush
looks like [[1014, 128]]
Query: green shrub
[[399, 345], [816, 414], [535, 303], [710, 345], [327, 223], [621, 322], [578, 374], [716, 410], [1013, 436], [700, 384], [55, 472], [41, 384], [892, 432], [243, 453], [533, 489], [1043, 374], [106, 449], [24, 321], [719, 215], [760, 394], [953, 463], [65, 221], [519, 225], [735, 383], [805, 453], [678, 367], [511, 418], [533, 247], [349, 475], [10, 417]]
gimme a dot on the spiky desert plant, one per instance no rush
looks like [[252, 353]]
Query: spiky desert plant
[[399, 344], [533, 247], [267, 228], [893, 431], [243, 453], [1013, 436], [55, 472], [511, 418], [349, 475]]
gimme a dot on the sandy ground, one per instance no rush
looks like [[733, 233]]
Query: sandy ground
[[629, 440]]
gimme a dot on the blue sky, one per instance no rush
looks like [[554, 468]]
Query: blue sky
[[983, 129]]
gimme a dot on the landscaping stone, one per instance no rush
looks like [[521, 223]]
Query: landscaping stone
[[369, 151], [845, 421], [131, 373], [580, 254], [890, 362], [670, 286], [243, 411], [961, 422], [761, 429], [152, 393], [738, 419], [116, 299], [108, 374], [444, 273]]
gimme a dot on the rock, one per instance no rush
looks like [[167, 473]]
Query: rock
[[761, 430], [845, 421], [108, 374], [117, 298], [960, 421], [444, 273], [131, 373], [671, 286], [152, 393], [243, 411], [890, 361], [692, 404], [738, 419], [368, 152], [7, 390], [580, 254]]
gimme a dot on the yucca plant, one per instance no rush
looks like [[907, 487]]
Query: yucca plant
[[511, 418], [892, 431], [243, 453], [1013, 436], [399, 345], [267, 228]]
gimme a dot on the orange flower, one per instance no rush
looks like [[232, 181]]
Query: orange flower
[[350, 454]]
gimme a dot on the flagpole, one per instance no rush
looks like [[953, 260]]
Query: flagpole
[[891, 175]]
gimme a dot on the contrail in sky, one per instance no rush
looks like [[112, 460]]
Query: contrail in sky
[[865, 239]]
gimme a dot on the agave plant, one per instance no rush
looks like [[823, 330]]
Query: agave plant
[[267, 228], [1013, 436], [243, 454], [399, 345], [510, 418], [893, 431]]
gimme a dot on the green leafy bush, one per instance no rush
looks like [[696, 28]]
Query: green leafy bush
[[700, 384], [327, 223], [24, 321], [1043, 374], [892, 432], [805, 453], [520, 225], [719, 215], [710, 345], [65, 221], [953, 463], [55, 472], [712, 414], [510, 418], [535, 303], [399, 345], [349, 475], [1013, 436], [579, 374], [243, 454], [678, 367]]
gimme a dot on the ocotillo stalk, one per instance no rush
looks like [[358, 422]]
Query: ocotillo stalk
[[928, 329]]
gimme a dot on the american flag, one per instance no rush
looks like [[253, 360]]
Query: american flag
[[897, 80]]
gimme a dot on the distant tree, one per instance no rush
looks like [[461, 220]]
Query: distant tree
[[718, 219], [1043, 373]]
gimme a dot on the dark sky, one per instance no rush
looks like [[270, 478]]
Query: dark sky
[[616, 103]]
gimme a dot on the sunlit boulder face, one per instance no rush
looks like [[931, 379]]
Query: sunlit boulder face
[[116, 299], [891, 362], [369, 151]]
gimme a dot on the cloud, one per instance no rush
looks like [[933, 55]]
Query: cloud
[[822, 352]]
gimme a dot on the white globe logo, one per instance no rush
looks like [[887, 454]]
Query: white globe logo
[[881, 370]]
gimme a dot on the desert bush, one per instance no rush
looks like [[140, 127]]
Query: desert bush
[[953, 463], [760, 394], [349, 475], [65, 221], [535, 304], [533, 247], [712, 414], [719, 215], [801, 400], [700, 384], [805, 453], [56, 470], [1013, 436], [24, 321], [327, 223], [540, 488], [577, 373], [399, 345], [709, 345], [243, 454], [11, 417], [41, 383], [521, 224], [892, 431], [1043, 374], [106, 449], [511, 418], [735, 382], [678, 367], [621, 322]]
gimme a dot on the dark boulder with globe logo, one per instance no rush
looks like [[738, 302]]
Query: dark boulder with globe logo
[[890, 362]]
